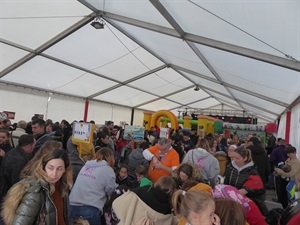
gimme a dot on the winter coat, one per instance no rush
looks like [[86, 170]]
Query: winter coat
[[130, 209], [30, 203], [10, 170], [294, 174], [40, 140], [6, 148], [260, 159], [136, 158], [278, 155], [206, 162], [237, 176]]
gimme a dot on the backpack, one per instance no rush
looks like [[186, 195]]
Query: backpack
[[291, 214], [274, 215]]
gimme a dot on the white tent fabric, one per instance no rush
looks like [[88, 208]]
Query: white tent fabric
[[243, 55]]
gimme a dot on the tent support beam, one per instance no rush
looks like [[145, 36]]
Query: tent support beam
[[283, 104], [235, 49], [45, 46]]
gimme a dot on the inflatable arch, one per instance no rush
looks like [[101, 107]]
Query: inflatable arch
[[164, 113]]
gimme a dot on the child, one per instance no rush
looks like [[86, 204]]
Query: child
[[122, 177], [196, 206], [141, 175]]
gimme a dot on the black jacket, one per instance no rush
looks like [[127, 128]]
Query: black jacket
[[260, 159], [12, 165], [237, 177], [154, 198]]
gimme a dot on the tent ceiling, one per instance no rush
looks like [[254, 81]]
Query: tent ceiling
[[244, 56]]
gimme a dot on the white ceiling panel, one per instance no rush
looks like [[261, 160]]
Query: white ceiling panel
[[32, 23], [243, 23], [256, 76], [257, 101], [44, 74], [9, 55], [260, 113], [159, 105], [125, 96], [189, 96], [207, 103], [171, 49], [147, 12], [162, 82]]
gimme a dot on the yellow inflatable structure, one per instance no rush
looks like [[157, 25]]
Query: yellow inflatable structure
[[150, 120], [205, 124]]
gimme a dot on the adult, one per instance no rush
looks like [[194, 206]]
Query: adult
[[10, 170], [271, 144], [259, 157], [163, 159], [277, 156], [136, 158], [66, 130], [102, 141], [41, 198], [106, 130], [110, 125], [242, 174], [6, 125], [186, 141], [205, 161], [76, 162], [16, 134], [294, 174], [38, 131], [5, 145], [95, 181]]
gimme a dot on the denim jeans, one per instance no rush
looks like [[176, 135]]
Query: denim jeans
[[90, 213]]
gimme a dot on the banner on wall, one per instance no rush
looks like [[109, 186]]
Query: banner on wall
[[135, 133], [82, 132], [10, 115]]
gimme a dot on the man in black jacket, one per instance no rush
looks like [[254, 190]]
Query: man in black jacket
[[39, 133], [14, 162]]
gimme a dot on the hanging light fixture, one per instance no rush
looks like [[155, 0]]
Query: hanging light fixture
[[98, 23]]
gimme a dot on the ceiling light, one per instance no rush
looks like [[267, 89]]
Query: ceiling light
[[196, 88], [98, 23]]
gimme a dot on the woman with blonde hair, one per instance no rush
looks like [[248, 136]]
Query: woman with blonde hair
[[95, 181], [197, 207], [204, 161], [41, 198], [242, 174]]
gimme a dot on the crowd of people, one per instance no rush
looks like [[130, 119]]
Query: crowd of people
[[46, 177]]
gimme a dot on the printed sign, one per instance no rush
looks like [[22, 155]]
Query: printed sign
[[164, 132], [82, 132], [134, 133]]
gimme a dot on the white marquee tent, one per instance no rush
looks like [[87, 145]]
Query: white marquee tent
[[243, 56]]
